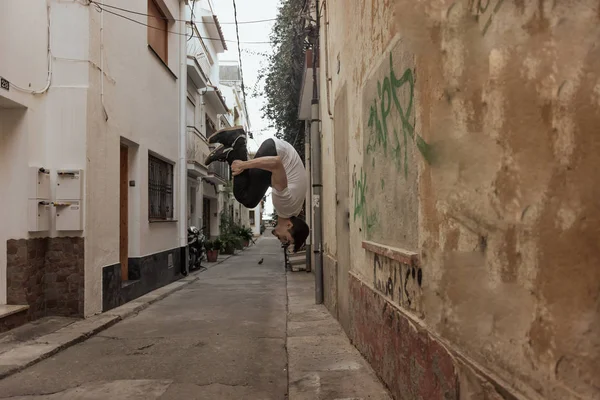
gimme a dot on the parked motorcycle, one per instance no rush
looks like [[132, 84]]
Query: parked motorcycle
[[196, 249]]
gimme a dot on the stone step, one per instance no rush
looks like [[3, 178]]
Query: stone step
[[6, 309], [12, 316], [297, 260]]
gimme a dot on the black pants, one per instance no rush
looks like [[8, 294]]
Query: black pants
[[250, 186]]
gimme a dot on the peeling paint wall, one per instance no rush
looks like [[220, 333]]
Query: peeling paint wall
[[473, 145]]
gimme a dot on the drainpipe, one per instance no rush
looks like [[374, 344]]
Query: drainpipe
[[182, 137], [317, 244], [309, 219]]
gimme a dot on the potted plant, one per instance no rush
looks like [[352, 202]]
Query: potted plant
[[218, 245], [228, 241], [246, 235], [211, 252], [239, 242]]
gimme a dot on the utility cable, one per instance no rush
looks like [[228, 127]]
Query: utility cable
[[257, 21], [49, 76], [101, 9], [237, 33]]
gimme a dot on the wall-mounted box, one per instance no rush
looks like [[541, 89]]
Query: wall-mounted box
[[69, 184], [39, 183], [38, 215], [68, 215]]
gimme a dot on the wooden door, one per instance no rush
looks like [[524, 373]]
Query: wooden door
[[124, 214]]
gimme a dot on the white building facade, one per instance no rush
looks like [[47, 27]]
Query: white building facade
[[206, 112], [230, 84], [93, 147]]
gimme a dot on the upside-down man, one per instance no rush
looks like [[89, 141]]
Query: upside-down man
[[276, 164]]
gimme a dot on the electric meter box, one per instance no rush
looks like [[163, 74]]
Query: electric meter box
[[69, 184], [68, 215], [38, 215], [39, 183]]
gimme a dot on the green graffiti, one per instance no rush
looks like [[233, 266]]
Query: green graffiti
[[387, 103], [380, 110], [360, 200], [371, 221], [368, 219], [380, 136]]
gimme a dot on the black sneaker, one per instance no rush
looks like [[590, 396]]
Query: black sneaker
[[227, 136], [218, 154]]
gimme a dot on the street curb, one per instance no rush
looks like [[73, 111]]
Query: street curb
[[34, 351]]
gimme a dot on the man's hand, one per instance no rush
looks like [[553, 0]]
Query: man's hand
[[237, 167]]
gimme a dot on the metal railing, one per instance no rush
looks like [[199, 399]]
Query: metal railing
[[197, 146], [220, 169]]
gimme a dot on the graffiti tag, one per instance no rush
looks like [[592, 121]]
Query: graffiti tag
[[481, 7], [379, 112], [369, 220], [400, 282]]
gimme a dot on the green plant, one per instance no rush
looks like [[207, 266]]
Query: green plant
[[239, 243], [263, 228], [217, 244], [284, 73], [245, 233], [226, 225], [209, 245], [229, 241]]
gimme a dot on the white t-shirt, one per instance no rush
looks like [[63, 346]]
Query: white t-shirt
[[288, 202]]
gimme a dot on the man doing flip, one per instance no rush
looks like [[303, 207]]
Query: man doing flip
[[276, 164]]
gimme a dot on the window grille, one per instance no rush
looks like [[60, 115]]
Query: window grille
[[160, 189]]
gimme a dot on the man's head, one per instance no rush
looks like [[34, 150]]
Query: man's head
[[291, 231]]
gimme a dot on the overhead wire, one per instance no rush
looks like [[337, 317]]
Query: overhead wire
[[49, 57], [191, 19], [101, 9], [257, 21], [237, 33]]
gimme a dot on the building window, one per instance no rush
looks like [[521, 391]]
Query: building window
[[158, 26], [252, 222], [160, 189]]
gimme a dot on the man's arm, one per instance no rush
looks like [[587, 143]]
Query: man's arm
[[272, 164]]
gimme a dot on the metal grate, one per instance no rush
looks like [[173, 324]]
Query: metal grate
[[160, 189]]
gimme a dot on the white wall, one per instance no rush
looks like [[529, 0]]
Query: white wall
[[49, 130], [141, 102], [256, 226]]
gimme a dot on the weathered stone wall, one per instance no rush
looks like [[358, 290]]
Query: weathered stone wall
[[474, 210], [47, 275], [25, 274]]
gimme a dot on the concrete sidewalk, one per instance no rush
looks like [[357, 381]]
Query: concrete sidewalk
[[323, 364]]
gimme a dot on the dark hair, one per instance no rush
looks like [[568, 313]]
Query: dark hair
[[299, 232]]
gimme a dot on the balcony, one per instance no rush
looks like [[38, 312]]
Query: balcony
[[197, 150], [218, 172]]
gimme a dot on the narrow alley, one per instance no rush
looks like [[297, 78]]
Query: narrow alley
[[220, 337]]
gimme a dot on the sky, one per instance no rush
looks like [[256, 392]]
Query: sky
[[253, 58]]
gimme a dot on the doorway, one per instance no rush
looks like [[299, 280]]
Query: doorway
[[124, 213], [206, 216], [342, 220]]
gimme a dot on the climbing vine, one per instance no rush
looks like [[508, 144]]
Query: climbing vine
[[283, 73]]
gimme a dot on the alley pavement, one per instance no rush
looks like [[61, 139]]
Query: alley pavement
[[224, 336]]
